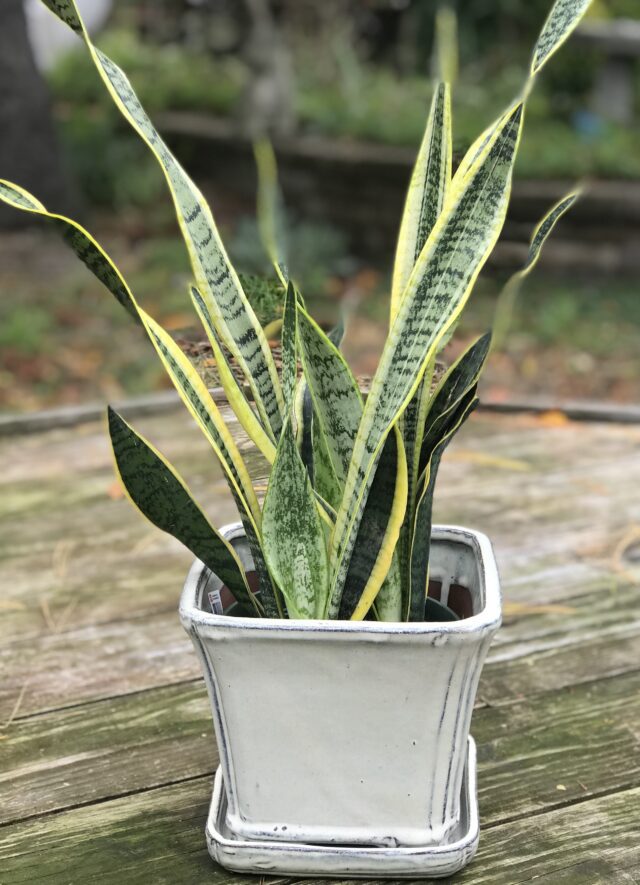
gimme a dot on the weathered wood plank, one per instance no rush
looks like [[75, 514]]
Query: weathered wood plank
[[106, 749], [538, 649], [556, 512], [73, 551], [583, 739], [98, 621], [157, 837]]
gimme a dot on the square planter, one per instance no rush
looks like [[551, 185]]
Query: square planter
[[347, 733]]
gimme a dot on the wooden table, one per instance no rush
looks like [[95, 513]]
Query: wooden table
[[106, 744]]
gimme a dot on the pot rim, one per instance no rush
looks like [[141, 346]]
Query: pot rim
[[487, 619]]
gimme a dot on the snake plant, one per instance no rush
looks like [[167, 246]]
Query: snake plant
[[345, 526]]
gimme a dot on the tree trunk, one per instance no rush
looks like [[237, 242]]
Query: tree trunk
[[29, 151]]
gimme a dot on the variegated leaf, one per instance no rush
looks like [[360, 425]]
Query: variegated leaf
[[388, 603], [509, 293], [459, 379], [412, 424], [421, 546], [289, 348], [218, 282], [162, 496], [427, 191], [292, 532], [188, 383], [437, 291], [545, 227], [86, 248], [426, 194], [563, 18], [207, 415], [203, 410], [336, 398], [325, 481], [374, 548], [234, 392]]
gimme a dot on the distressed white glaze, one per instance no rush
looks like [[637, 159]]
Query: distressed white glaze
[[300, 859], [343, 732]]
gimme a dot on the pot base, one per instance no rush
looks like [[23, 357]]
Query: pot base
[[297, 858]]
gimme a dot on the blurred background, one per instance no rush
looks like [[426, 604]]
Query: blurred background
[[342, 87]]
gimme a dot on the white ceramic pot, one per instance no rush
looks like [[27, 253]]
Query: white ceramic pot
[[343, 732]]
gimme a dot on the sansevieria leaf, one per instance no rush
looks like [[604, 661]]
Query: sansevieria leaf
[[218, 282], [439, 286], [293, 535], [455, 384], [234, 393], [161, 495], [289, 348], [185, 378], [336, 398], [421, 545], [86, 248], [371, 559], [509, 293], [563, 18], [427, 188], [204, 411]]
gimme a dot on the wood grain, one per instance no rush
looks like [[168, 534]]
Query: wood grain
[[107, 761]]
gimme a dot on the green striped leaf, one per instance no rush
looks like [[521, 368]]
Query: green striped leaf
[[204, 411], [387, 605], [66, 12], [293, 535], [421, 546], [437, 291], [427, 188], [324, 478], [336, 398], [459, 379], [186, 380], [160, 494], [234, 392], [289, 350], [85, 247], [218, 282], [563, 18], [413, 423], [507, 298], [373, 549], [427, 191], [545, 227]]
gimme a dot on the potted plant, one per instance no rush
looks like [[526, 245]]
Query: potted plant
[[341, 635]]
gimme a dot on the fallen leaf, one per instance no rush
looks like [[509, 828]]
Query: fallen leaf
[[115, 490], [552, 418]]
